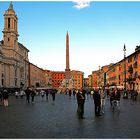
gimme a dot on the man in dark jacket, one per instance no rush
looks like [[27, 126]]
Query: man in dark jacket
[[32, 92], [27, 91], [47, 93], [97, 102], [80, 102], [53, 92]]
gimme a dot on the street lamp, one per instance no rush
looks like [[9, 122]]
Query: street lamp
[[99, 80], [125, 93]]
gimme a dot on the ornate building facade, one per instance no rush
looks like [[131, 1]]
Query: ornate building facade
[[13, 55]]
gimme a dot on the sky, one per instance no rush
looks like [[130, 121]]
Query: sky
[[97, 32]]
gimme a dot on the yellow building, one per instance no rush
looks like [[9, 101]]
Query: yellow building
[[36, 76], [13, 55]]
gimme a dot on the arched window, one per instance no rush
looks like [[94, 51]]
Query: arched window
[[8, 23]]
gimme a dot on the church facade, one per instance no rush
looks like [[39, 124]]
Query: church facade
[[13, 55]]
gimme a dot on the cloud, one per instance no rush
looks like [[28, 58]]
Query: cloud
[[79, 4]]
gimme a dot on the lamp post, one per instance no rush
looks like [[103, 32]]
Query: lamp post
[[99, 80], [125, 93]]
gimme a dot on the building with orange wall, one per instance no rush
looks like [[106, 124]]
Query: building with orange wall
[[133, 64], [102, 75], [99, 76], [90, 81], [115, 74], [95, 78], [57, 78]]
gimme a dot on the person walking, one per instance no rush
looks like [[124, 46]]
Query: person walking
[[53, 94], [69, 93], [91, 93], [47, 93], [97, 102], [107, 91], [5, 97], [116, 98], [22, 93], [32, 95], [80, 103], [66, 91], [74, 92], [84, 95], [111, 96], [135, 95], [16, 94], [42, 92], [27, 91]]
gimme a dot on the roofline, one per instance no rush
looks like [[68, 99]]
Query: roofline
[[36, 66], [123, 59], [23, 46]]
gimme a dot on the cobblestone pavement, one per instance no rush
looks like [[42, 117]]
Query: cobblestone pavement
[[59, 120]]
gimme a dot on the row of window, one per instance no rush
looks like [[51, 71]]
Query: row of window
[[135, 75], [135, 58]]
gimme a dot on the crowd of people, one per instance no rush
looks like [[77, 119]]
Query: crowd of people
[[99, 96], [132, 93], [30, 94]]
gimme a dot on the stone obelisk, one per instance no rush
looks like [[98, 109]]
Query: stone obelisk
[[67, 70], [67, 81]]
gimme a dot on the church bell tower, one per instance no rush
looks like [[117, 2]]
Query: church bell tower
[[10, 32]]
